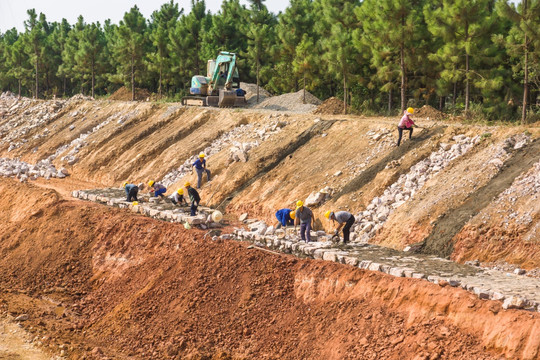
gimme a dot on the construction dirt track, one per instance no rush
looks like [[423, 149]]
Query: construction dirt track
[[103, 283]]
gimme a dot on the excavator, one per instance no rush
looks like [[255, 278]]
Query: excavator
[[218, 87]]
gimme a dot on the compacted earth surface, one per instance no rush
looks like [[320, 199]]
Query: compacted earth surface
[[86, 280]]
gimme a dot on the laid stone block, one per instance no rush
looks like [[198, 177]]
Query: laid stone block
[[454, 283], [481, 293], [318, 253], [375, 266], [385, 268], [398, 272], [497, 296], [328, 255], [514, 302], [351, 260], [194, 220], [92, 197], [418, 276], [364, 264], [408, 273], [277, 242], [75, 194]]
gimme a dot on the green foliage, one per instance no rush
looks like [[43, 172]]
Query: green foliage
[[481, 57]]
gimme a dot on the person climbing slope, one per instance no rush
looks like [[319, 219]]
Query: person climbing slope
[[406, 123], [200, 167]]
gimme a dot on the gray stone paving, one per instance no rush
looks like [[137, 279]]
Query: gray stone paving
[[514, 291]]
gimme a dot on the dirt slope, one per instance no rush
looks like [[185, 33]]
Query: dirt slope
[[290, 157], [103, 283]]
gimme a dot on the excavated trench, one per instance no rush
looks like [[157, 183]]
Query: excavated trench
[[440, 240], [102, 283]]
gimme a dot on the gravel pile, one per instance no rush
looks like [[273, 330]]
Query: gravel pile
[[292, 102], [251, 93]]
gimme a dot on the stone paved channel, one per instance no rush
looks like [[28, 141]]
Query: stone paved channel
[[514, 291]]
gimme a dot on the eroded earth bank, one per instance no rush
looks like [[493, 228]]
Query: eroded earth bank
[[89, 281]]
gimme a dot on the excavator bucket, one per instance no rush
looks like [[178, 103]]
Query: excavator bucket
[[227, 98]]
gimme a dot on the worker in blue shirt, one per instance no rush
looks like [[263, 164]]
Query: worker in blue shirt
[[285, 218], [200, 166], [131, 191]]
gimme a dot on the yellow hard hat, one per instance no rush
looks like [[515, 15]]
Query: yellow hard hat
[[180, 191], [187, 184], [292, 214], [151, 183], [328, 214], [201, 155], [410, 110], [124, 184], [299, 203], [135, 203]]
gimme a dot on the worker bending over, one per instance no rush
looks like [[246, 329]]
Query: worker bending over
[[157, 189], [304, 216], [285, 217], [131, 191], [200, 166], [344, 219], [178, 197], [406, 123], [194, 197]]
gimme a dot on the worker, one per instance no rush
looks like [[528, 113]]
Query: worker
[[405, 123], [194, 197], [344, 219], [131, 191], [304, 216], [157, 189], [285, 217], [200, 166], [178, 197]]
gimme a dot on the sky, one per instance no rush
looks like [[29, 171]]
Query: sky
[[13, 12]]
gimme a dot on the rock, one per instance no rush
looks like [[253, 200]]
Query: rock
[[71, 127], [498, 163], [315, 198], [270, 231], [22, 317], [445, 146], [338, 173], [64, 171], [520, 271], [514, 302], [243, 217]]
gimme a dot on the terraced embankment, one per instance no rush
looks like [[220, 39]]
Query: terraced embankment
[[140, 288]]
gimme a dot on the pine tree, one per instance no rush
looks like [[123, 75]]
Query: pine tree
[[130, 47], [294, 23], [336, 26], [67, 68], [163, 21], [305, 61], [464, 26], [260, 37], [227, 33], [58, 40], [33, 44], [89, 57], [17, 63], [523, 42]]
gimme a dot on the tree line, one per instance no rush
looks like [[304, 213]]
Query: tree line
[[379, 56]]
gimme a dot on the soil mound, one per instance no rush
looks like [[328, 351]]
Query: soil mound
[[430, 112], [293, 102], [124, 94], [331, 106]]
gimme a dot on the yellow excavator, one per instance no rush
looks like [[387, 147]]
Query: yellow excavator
[[221, 85]]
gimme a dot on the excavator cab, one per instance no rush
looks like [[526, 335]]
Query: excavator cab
[[218, 88]]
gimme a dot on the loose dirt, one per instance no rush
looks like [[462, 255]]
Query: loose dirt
[[330, 106], [124, 94], [428, 111], [103, 283]]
